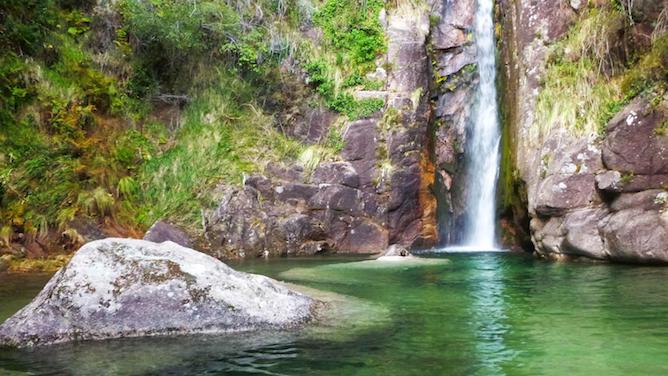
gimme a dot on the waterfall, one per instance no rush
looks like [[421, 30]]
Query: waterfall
[[482, 153]]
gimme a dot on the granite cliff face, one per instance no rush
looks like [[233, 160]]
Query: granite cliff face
[[597, 194]]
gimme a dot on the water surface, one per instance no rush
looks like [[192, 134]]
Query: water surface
[[480, 314]]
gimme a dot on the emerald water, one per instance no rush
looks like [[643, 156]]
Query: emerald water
[[479, 313]]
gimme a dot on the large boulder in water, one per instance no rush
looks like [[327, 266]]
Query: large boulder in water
[[125, 288]]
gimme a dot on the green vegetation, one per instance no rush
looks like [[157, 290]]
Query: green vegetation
[[590, 74], [662, 130], [47, 265], [577, 92], [219, 130], [354, 29], [134, 112], [627, 178], [353, 40]]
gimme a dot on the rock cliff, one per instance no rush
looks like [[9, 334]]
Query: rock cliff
[[591, 191], [378, 192]]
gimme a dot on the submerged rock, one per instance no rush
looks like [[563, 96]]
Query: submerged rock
[[116, 288], [396, 252]]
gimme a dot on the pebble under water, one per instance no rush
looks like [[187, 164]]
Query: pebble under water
[[479, 313]]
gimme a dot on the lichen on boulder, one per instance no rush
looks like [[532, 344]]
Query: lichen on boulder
[[115, 288]]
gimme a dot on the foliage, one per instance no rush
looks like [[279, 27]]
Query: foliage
[[353, 28], [81, 134], [354, 40], [342, 102], [590, 76], [25, 24], [219, 129]]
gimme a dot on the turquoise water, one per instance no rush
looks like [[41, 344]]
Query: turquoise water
[[477, 314]]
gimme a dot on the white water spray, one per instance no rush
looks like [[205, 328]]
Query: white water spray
[[483, 147]]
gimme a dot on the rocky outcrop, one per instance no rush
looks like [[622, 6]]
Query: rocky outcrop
[[606, 199], [412, 204], [588, 195], [328, 211], [637, 146], [378, 191], [116, 288]]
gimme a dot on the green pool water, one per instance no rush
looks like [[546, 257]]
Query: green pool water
[[476, 314]]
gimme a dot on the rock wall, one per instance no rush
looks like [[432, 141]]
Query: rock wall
[[600, 197], [379, 191], [454, 80]]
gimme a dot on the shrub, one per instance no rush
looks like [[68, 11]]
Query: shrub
[[353, 27]]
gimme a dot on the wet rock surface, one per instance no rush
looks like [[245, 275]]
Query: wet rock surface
[[116, 288], [453, 55]]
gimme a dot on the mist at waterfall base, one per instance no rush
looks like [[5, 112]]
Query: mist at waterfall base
[[483, 138]]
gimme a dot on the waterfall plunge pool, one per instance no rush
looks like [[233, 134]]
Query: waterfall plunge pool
[[478, 313]]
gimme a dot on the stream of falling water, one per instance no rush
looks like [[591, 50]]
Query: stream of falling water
[[482, 153]]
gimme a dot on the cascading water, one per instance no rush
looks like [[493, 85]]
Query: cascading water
[[482, 153]]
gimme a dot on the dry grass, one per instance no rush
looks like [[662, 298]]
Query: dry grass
[[579, 89]]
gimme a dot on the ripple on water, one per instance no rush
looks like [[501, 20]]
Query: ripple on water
[[482, 314]]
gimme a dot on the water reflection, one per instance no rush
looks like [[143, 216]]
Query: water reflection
[[488, 311], [252, 353], [479, 313]]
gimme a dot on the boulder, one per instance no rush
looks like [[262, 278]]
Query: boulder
[[582, 235], [115, 288], [636, 235], [396, 250], [609, 181], [363, 236], [548, 236], [632, 143], [654, 199], [559, 193], [163, 231]]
